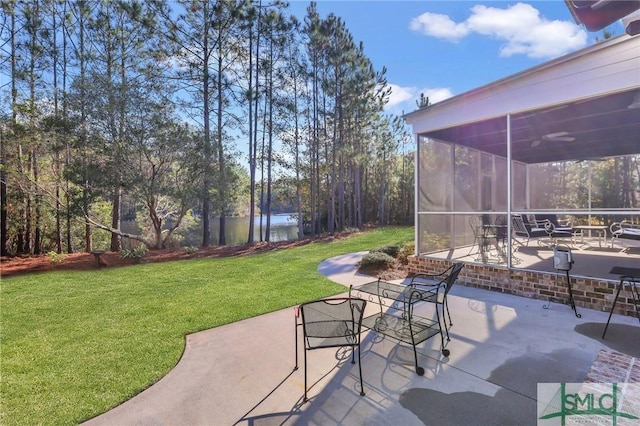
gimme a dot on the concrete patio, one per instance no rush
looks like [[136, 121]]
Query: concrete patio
[[501, 347]]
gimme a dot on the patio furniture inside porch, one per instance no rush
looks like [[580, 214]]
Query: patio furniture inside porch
[[591, 260]]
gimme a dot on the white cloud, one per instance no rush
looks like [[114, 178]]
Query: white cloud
[[439, 26], [437, 94], [400, 95], [403, 99], [520, 26]]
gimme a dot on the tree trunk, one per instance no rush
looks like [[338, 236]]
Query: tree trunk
[[67, 145], [88, 237], [68, 205], [116, 241], [206, 198], [4, 227], [252, 165], [38, 235], [270, 144], [222, 181]]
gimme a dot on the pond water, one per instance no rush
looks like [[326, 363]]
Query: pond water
[[284, 227]]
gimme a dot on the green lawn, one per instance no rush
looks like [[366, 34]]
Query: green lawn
[[75, 344]]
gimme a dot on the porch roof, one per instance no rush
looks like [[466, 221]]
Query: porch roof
[[584, 105]]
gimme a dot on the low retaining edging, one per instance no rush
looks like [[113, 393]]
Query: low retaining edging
[[590, 293]]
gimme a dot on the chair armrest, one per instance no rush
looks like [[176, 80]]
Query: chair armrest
[[615, 228], [426, 285], [430, 277], [425, 291], [548, 227], [630, 225], [565, 223], [618, 228]]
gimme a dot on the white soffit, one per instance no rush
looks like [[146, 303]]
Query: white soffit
[[607, 67]]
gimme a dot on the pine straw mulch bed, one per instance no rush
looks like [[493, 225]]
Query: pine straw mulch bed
[[12, 266]]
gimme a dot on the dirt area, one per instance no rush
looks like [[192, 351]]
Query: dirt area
[[11, 266], [397, 271]]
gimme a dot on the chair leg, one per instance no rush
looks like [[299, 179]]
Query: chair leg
[[295, 330], [360, 369], [472, 246], [444, 320], [445, 351], [448, 314], [305, 376]]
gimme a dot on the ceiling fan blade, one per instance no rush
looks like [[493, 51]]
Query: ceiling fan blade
[[562, 139], [555, 135], [558, 137]]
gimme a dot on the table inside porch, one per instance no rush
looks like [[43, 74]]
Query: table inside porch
[[600, 229]]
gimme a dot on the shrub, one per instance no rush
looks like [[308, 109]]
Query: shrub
[[408, 249], [436, 241], [55, 257], [134, 253], [391, 250], [376, 259], [191, 249]]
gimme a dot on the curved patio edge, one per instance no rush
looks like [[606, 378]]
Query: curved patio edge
[[187, 394]]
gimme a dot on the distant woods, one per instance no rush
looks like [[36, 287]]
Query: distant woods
[[140, 122]]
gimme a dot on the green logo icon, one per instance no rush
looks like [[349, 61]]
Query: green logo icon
[[580, 403]]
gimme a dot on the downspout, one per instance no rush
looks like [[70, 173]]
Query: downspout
[[509, 194], [527, 187], [452, 203], [416, 174]]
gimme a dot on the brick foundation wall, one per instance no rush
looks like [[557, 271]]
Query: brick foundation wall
[[588, 293]]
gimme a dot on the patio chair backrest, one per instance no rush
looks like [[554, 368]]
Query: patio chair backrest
[[453, 276], [476, 226], [501, 227], [444, 280], [518, 224], [332, 322], [552, 218], [527, 223]]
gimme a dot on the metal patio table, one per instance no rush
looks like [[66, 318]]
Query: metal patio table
[[630, 277]]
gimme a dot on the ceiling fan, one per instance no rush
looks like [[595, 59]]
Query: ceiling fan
[[553, 137]]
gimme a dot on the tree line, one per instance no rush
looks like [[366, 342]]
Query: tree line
[[174, 114]]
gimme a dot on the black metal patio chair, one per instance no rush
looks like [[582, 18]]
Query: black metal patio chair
[[434, 288], [331, 323], [544, 231], [480, 236], [502, 231], [555, 228], [526, 230]]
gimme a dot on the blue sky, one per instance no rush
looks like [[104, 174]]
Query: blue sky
[[444, 48]]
